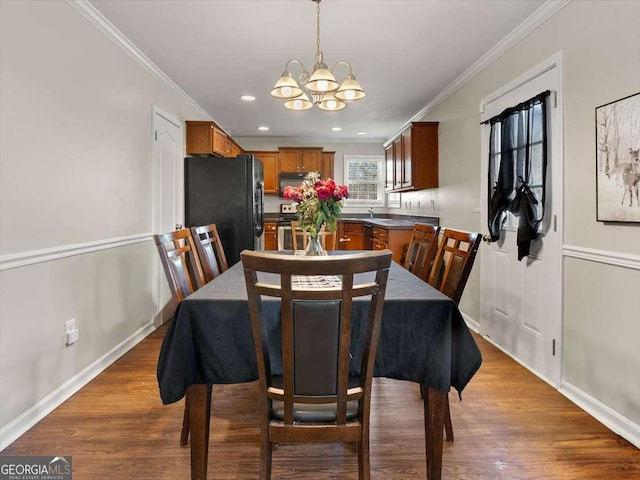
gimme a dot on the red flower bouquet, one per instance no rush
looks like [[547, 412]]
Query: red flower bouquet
[[319, 202]]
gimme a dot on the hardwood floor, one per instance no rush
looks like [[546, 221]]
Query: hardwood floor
[[510, 425]]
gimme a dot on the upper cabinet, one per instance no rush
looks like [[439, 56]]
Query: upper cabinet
[[412, 158], [326, 165], [293, 159], [270, 164], [205, 138], [300, 159]]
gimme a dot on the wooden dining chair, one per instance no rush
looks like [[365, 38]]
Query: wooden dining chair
[[314, 399], [328, 239], [180, 263], [449, 274], [210, 251], [422, 250], [453, 262]]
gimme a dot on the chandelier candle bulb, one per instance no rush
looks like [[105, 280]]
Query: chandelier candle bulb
[[320, 88]]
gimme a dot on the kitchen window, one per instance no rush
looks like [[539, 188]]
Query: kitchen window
[[364, 175]]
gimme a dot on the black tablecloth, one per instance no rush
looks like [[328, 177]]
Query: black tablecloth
[[424, 338]]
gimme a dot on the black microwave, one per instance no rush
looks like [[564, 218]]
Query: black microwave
[[293, 179]]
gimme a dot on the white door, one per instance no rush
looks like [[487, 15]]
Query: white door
[[168, 156], [521, 305]]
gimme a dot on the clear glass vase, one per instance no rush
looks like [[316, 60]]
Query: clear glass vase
[[314, 246]]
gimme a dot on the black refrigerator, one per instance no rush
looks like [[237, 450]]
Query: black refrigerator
[[230, 193]]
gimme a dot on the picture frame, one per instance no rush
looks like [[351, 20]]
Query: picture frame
[[617, 165]]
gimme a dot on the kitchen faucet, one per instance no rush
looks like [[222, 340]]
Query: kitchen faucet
[[370, 212]]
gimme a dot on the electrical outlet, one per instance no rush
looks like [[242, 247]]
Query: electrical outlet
[[71, 333], [70, 325], [433, 205]]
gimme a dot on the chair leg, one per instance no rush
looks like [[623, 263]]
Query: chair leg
[[265, 463], [184, 434], [364, 461], [448, 428]]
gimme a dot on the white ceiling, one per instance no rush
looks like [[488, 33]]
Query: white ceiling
[[403, 52]]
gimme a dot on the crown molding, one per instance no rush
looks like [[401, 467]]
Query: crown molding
[[537, 18], [90, 13]]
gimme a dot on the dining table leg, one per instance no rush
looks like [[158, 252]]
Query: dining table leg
[[199, 398], [434, 407]]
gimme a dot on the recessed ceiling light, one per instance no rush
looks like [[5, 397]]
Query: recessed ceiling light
[[263, 128], [361, 133], [337, 129], [247, 98]]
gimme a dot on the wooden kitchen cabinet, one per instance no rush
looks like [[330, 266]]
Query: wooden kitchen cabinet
[[397, 164], [270, 236], [270, 164], [205, 138], [412, 158], [326, 165], [390, 167], [235, 150], [300, 159], [350, 236], [394, 239]]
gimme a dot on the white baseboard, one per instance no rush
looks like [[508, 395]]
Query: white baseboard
[[610, 418], [21, 424], [471, 323], [613, 420]]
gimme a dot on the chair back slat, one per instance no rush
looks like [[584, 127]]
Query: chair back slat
[[210, 250], [422, 250], [453, 262], [180, 262]]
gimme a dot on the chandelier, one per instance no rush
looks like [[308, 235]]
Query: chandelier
[[320, 88]]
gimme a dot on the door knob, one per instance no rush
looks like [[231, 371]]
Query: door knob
[[179, 226], [486, 238]]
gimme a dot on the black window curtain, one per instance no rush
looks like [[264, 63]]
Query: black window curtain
[[517, 169]]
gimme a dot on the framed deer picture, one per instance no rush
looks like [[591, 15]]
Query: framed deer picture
[[617, 164]]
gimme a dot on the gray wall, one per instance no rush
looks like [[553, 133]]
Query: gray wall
[[601, 45], [75, 167], [75, 171]]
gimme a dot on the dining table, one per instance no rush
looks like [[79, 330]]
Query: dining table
[[424, 339]]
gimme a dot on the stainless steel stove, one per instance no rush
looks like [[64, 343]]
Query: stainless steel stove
[[287, 213]]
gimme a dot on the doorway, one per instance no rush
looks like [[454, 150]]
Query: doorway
[[521, 301], [167, 158]]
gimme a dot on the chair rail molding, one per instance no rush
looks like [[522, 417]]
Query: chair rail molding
[[31, 257], [608, 257]]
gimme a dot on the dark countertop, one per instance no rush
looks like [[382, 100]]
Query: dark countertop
[[388, 221]]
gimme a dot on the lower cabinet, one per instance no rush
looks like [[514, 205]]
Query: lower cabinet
[[396, 240], [270, 236], [350, 236]]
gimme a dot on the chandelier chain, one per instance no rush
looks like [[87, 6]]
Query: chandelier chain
[[320, 87], [317, 28]]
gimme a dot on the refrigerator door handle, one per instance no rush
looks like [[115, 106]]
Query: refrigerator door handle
[[259, 208]]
